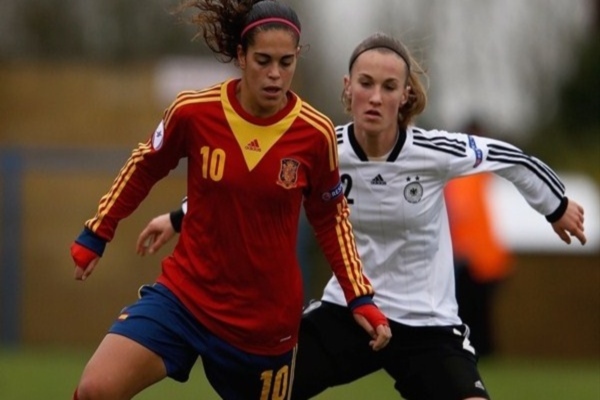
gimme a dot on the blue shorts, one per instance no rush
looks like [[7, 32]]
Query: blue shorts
[[161, 323]]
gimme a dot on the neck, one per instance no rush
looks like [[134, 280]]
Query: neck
[[376, 143]]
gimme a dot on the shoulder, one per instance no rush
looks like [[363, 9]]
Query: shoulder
[[341, 135], [316, 118], [439, 141], [422, 133], [346, 143], [187, 97], [187, 100]]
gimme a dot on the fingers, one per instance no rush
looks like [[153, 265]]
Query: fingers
[[151, 242], [82, 274], [580, 236], [381, 338], [144, 242], [78, 273], [568, 232], [367, 316], [571, 224], [575, 221], [562, 234], [144, 239], [158, 232], [579, 230], [157, 242]]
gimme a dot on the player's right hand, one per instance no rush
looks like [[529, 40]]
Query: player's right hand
[[571, 224]]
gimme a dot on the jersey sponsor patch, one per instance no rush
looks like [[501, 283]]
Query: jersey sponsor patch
[[157, 138], [288, 173], [333, 193]]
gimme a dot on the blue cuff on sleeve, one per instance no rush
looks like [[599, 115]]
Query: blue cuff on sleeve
[[89, 239], [360, 301]]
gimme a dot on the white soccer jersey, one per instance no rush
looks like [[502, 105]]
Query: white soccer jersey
[[400, 220]]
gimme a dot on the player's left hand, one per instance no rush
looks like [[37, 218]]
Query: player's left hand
[[158, 232], [571, 224], [375, 323]]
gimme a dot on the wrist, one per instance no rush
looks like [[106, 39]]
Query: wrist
[[176, 218], [88, 239], [372, 314], [559, 212], [360, 301]]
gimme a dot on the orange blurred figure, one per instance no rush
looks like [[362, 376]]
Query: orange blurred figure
[[481, 260]]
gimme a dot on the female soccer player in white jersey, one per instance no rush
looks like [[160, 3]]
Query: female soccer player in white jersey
[[394, 174], [255, 153]]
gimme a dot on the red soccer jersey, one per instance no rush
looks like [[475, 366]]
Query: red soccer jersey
[[235, 265]]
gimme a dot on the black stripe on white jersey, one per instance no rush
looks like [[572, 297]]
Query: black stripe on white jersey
[[441, 143], [543, 167], [550, 173], [339, 133], [453, 143], [509, 155], [497, 149]]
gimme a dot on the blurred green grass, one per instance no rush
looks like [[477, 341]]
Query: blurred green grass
[[34, 374]]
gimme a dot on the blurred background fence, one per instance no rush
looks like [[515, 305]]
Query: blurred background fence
[[82, 81]]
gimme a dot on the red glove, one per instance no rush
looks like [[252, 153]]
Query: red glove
[[372, 314], [82, 255]]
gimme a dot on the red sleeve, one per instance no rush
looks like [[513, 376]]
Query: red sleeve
[[328, 213], [148, 163]]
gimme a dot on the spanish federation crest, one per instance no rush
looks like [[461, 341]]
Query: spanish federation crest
[[288, 174], [413, 191]]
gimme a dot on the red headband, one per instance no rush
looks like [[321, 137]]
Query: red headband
[[266, 21]]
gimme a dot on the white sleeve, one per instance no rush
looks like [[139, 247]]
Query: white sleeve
[[537, 182]]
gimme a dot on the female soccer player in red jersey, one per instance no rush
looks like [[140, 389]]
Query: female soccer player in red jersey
[[394, 174], [231, 292]]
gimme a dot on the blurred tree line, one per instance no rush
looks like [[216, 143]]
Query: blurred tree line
[[572, 138], [122, 31], [116, 31]]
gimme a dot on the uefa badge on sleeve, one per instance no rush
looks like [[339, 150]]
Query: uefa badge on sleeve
[[158, 136], [333, 193]]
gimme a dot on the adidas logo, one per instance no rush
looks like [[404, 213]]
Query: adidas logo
[[253, 146], [378, 180]]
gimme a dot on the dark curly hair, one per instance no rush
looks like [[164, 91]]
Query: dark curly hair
[[222, 22]]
